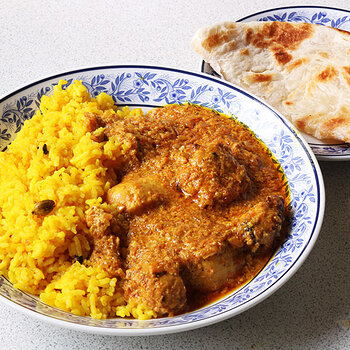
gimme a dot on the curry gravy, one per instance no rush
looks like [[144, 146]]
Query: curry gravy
[[199, 206]]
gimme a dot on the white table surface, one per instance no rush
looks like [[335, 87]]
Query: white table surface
[[41, 38]]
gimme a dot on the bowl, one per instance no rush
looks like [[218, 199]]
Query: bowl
[[147, 87]]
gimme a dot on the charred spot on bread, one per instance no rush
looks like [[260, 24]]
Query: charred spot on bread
[[248, 36], [282, 57], [347, 69], [279, 37], [220, 38], [327, 74], [244, 52], [300, 124], [260, 78], [346, 74], [324, 54], [279, 33], [333, 124], [298, 62]]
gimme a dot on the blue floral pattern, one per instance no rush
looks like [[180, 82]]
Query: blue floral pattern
[[151, 87], [139, 87], [14, 115], [325, 16], [320, 17]]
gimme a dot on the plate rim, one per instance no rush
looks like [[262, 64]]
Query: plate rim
[[317, 174], [321, 157], [291, 7]]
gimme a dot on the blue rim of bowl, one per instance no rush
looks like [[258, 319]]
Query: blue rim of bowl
[[313, 145], [163, 329], [292, 7]]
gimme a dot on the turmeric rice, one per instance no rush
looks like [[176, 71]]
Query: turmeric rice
[[54, 158]]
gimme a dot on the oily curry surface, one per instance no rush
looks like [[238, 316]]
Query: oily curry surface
[[197, 203]]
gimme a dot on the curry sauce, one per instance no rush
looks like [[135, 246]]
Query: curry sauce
[[198, 207]]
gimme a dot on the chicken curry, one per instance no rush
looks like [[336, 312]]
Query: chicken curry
[[199, 206]]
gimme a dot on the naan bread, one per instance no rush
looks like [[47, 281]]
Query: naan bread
[[301, 69]]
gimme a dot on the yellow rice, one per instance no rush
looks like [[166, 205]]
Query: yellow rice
[[36, 253]]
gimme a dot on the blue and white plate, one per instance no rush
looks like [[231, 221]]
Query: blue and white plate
[[145, 87], [326, 16]]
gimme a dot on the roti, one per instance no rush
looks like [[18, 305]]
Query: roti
[[301, 69]]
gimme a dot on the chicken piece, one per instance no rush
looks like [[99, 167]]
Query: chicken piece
[[149, 133], [208, 256], [125, 161], [91, 122], [102, 223], [106, 254], [163, 292], [102, 127], [136, 195], [152, 275], [214, 272], [98, 221], [211, 174], [99, 135], [260, 226], [94, 121]]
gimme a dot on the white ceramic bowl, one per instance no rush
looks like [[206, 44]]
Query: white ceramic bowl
[[145, 87]]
